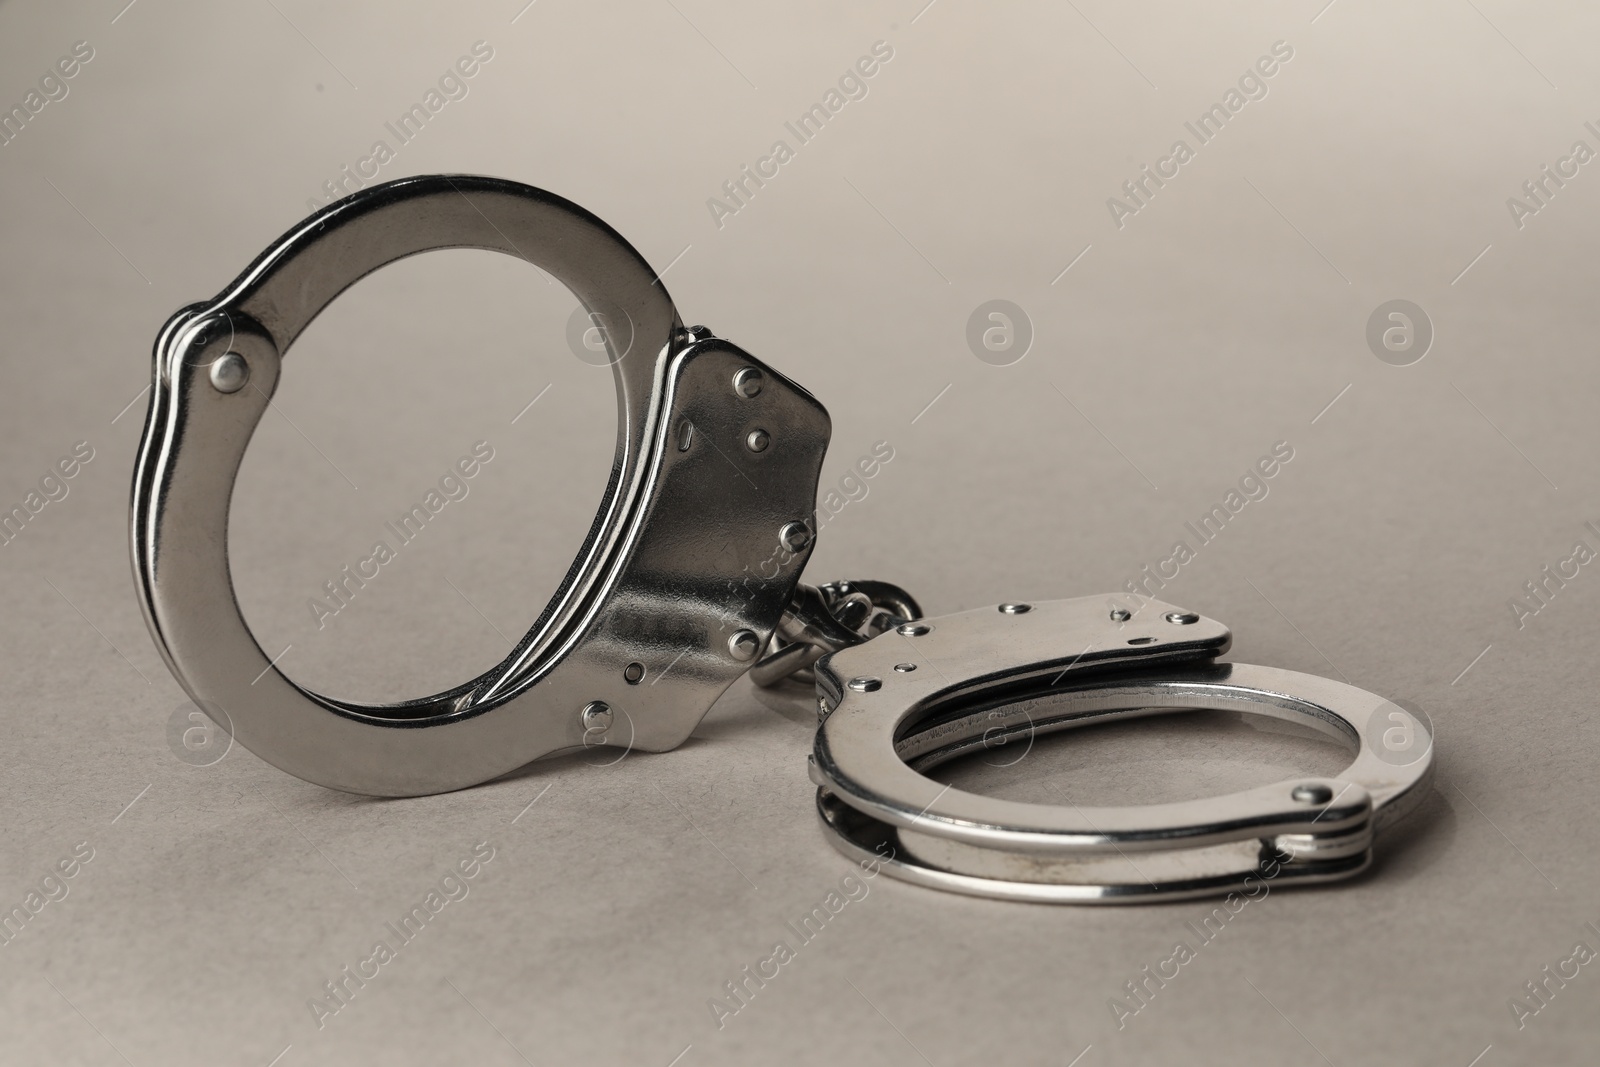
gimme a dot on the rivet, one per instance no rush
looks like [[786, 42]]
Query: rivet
[[1182, 618], [743, 645], [905, 668], [1120, 614], [229, 373], [1312, 793], [597, 715], [757, 441], [1015, 609], [698, 333], [913, 629], [747, 382], [865, 685], [633, 673], [794, 536]]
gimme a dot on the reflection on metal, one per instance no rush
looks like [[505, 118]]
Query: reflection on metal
[[1007, 675], [690, 578]]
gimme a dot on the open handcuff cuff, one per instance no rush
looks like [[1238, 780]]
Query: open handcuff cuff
[[690, 577]]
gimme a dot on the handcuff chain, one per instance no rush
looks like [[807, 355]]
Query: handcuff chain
[[826, 618]]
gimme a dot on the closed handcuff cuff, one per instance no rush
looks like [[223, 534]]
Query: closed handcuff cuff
[[690, 577]]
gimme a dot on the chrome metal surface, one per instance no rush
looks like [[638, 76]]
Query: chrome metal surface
[[795, 536], [1065, 664], [690, 571], [895, 603], [822, 619], [597, 716], [747, 382], [744, 644], [684, 551], [229, 373]]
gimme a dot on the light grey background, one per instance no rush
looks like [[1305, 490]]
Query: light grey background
[[1228, 314]]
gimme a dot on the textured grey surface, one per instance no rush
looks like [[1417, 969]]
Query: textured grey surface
[[1223, 316]]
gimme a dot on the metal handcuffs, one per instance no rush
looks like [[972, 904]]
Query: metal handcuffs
[[690, 572]]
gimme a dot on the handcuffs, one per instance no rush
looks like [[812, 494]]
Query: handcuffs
[[690, 577]]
